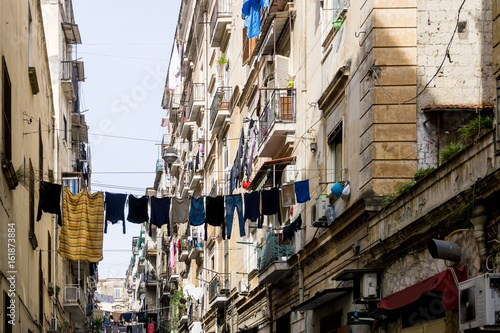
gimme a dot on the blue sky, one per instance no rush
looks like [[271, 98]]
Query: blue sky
[[126, 48]]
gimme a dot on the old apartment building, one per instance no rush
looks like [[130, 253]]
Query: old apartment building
[[43, 138], [386, 110]]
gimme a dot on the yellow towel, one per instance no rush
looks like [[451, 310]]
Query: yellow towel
[[82, 227]]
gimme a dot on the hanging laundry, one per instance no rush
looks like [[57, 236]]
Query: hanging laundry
[[82, 229], [173, 251], [137, 209], [252, 206], [151, 327], [270, 204], [115, 209], [251, 12], [160, 210], [127, 316], [292, 228], [215, 213], [49, 200], [288, 195], [197, 211], [174, 70], [232, 202], [253, 143], [116, 317], [302, 191], [180, 210]]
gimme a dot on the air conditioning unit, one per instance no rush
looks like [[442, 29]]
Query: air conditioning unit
[[319, 211], [201, 134], [368, 285], [479, 302], [243, 287]]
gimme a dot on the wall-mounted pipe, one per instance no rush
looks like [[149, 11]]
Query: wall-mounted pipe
[[478, 219]]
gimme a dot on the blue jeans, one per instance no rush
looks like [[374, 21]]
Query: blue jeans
[[233, 201]]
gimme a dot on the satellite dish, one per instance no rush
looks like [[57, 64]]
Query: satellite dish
[[142, 297], [188, 289]]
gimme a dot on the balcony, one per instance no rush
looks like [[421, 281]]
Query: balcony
[[219, 289], [74, 301], [151, 250], [196, 100], [195, 249], [165, 291], [185, 127], [272, 259], [141, 266], [277, 121], [69, 80], [221, 17], [151, 280], [183, 249], [174, 278], [183, 318], [220, 108], [195, 179]]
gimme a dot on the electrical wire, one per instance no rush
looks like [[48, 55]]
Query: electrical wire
[[446, 56]]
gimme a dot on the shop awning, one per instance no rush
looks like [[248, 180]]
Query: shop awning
[[443, 281], [266, 170], [320, 298]]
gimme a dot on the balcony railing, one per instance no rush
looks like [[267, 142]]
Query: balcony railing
[[279, 108], [221, 101], [222, 9], [74, 301], [220, 285], [196, 97], [273, 251], [69, 79]]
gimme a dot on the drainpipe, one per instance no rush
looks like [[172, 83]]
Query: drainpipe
[[478, 219], [54, 219], [301, 279]]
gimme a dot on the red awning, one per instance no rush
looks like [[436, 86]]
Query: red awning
[[443, 281]]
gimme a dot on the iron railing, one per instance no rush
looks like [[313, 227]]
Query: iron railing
[[221, 101], [272, 251], [197, 95], [279, 108], [68, 73], [222, 8], [220, 285]]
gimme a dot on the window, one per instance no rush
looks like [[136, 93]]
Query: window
[[40, 288], [248, 46], [117, 293], [40, 150], [334, 155], [252, 260], [331, 10], [331, 323], [65, 129], [49, 257], [6, 319], [30, 37], [7, 114], [31, 188]]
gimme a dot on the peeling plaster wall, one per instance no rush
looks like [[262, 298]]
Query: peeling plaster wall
[[466, 80]]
